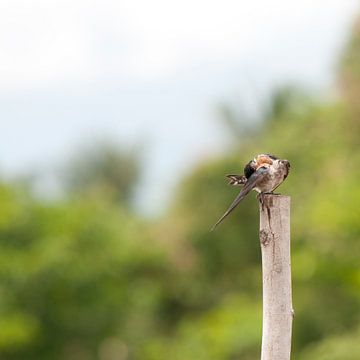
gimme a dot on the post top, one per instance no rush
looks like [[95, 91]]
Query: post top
[[279, 196], [269, 200]]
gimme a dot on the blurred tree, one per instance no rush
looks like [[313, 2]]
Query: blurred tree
[[349, 73], [104, 167], [342, 347], [286, 100], [77, 279]]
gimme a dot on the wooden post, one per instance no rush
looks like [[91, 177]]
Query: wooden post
[[277, 302]]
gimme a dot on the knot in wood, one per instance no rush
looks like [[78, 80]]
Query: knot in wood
[[265, 237]]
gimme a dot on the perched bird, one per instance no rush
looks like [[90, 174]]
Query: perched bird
[[263, 174]]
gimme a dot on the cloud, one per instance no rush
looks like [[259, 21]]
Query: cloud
[[49, 43]]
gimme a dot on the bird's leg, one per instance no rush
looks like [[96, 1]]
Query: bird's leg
[[260, 197]]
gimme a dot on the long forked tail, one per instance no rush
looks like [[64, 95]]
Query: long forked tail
[[249, 185], [235, 203]]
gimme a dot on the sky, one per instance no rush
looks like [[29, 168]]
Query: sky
[[151, 72]]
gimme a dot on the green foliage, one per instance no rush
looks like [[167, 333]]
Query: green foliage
[[104, 167], [64, 278], [340, 347], [227, 331]]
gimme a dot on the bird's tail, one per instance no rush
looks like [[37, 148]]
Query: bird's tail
[[248, 186], [234, 204], [236, 180]]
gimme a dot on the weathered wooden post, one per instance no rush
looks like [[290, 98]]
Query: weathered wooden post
[[276, 271]]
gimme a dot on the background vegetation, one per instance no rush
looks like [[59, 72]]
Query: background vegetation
[[85, 277]]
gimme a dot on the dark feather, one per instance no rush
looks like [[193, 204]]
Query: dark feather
[[249, 168]]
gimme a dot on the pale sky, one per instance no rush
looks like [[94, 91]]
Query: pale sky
[[151, 70]]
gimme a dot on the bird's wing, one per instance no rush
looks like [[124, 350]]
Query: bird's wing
[[254, 179]]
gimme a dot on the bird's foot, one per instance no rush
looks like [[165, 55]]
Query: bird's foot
[[260, 197]]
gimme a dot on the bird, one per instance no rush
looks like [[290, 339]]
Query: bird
[[263, 174]]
